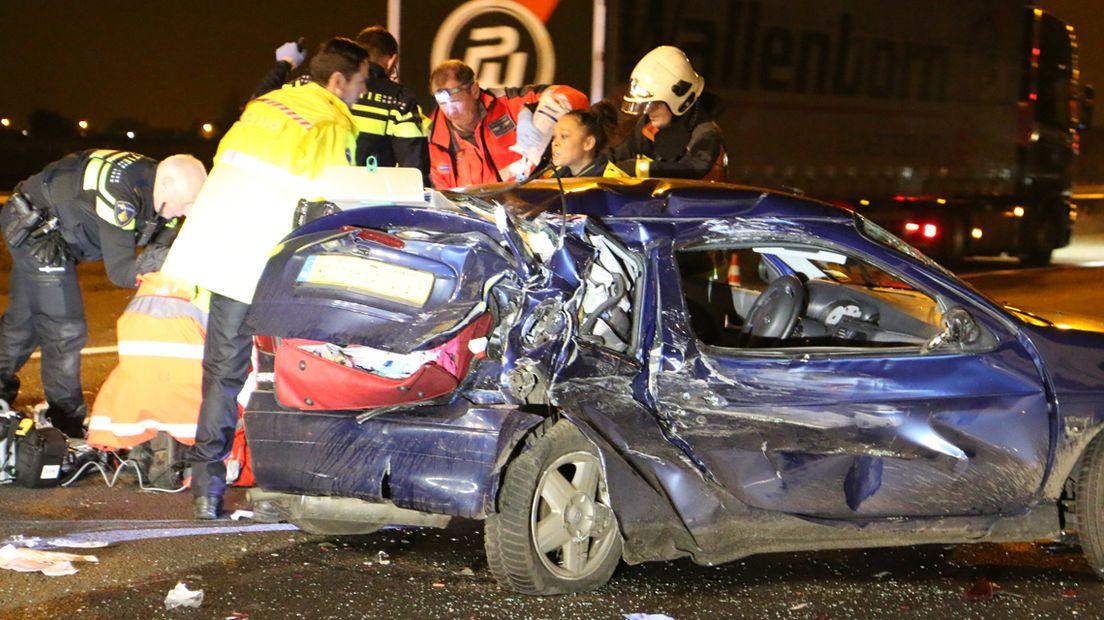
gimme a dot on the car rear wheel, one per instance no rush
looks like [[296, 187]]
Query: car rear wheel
[[1090, 505], [554, 531]]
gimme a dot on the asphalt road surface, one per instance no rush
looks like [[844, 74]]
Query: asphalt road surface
[[249, 570]]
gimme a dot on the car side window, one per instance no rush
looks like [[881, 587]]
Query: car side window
[[789, 296]]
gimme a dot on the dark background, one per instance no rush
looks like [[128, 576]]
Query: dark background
[[163, 69]]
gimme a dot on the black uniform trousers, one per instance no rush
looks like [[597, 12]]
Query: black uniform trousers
[[226, 353], [44, 309]]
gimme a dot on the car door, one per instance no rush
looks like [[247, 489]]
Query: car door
[[856, 428]]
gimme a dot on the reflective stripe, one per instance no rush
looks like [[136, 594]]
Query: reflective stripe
[[96, 175], [154, 348], [361, 109], [292, 114], [166, 308], [407, 127], [373, 126], [104, 424]]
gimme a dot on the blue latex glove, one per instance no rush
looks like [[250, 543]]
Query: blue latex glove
[[291, 53]]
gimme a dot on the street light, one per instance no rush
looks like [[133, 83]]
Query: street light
[[83, 124], [130, 134], [5, 122], [208, 128]]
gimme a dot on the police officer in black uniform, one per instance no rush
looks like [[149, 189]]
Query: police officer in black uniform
[[389, 120], [388, 117], [91, 205]]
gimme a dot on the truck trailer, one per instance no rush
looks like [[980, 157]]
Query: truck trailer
[[954, 125]]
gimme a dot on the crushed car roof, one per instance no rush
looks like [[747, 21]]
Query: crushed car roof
[[660, 198]]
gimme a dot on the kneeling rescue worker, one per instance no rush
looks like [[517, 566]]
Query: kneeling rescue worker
[[91, 205]]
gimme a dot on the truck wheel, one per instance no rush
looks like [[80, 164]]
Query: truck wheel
[[554, 531], [1042, 245], [1090, 505], [954, 244]]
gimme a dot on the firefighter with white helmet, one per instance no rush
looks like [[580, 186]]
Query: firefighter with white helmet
[[676, 135]]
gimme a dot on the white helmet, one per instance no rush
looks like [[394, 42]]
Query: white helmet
[[663, 74]]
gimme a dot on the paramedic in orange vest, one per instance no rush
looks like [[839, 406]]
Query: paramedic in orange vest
[[156, 386], [275, 154], [480, 135]]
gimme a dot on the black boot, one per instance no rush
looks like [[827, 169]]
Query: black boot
[[69, 422], [208, 508], [9, 388]]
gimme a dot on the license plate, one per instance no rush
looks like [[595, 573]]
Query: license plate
[[401, 284]]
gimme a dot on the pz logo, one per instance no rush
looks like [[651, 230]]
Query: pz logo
[[501, 40], [498, 62]]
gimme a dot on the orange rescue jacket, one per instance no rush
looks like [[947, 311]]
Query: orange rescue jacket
[[156, 386]]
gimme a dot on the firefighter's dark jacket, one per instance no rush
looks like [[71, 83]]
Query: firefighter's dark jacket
[[103, 200], [389, 120], [691, 147]]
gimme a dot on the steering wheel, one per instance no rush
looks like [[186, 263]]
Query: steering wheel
[[774, 313]]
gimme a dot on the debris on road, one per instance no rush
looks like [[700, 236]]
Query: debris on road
[[381, 557], [983, 590], [181, 596], [50, 563], [241, 514], [465, 572]]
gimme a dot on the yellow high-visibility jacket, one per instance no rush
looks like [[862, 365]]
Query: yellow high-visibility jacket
[[268, 160]]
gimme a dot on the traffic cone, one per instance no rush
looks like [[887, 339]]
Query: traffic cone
[[734, 271]]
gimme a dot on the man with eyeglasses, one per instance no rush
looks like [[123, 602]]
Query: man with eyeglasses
[[480, 135], [92, 205]]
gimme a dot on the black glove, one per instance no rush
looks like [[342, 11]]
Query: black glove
[[307, 211], [49, 249], [151, 258], [22, 219]]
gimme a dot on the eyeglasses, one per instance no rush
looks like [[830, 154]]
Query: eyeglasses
[[444, 95]]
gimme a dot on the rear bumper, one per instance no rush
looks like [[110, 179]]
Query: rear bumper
[[438, 459]]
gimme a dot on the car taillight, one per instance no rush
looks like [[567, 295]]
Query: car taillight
[[265, 344], [928, 231], [375, 236]]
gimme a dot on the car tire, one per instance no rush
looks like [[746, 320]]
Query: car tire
[[1090, 505], [553, 493]]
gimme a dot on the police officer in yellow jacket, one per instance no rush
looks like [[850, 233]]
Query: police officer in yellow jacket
[[269, 159], [91, 205]]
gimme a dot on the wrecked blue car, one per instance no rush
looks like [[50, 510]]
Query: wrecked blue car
[[646, 370]]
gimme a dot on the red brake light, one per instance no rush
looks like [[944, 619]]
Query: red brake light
[[928, 231], [365, 234], [265, 344]]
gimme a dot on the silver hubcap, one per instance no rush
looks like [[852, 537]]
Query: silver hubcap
[[571, 523]]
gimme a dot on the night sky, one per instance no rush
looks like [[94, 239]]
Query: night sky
[[180, 63]]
